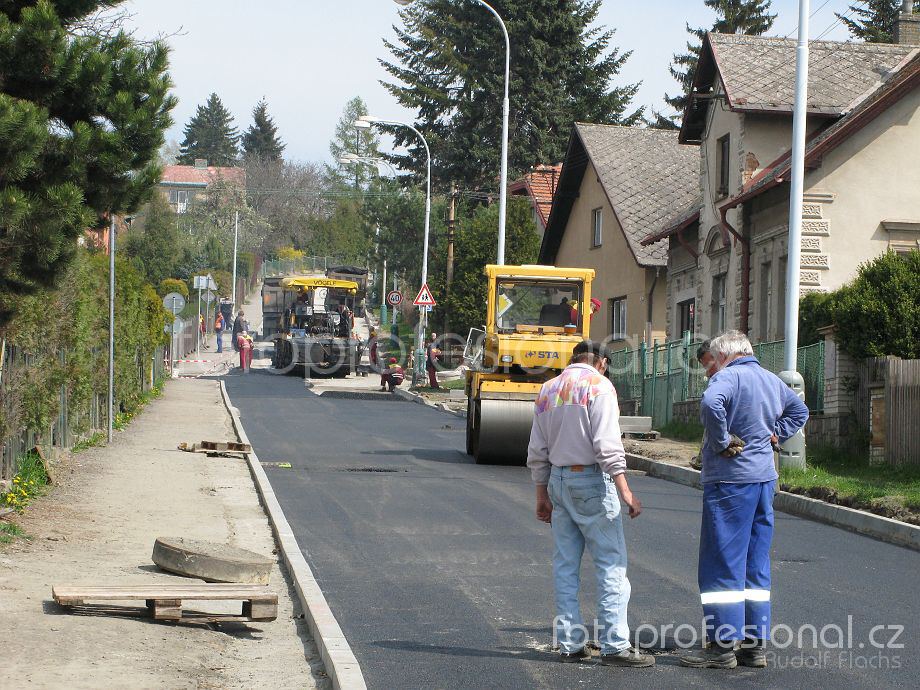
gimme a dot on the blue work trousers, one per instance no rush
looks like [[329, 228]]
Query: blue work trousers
[[734, 566]]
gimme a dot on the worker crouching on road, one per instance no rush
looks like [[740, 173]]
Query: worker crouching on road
[[743, 407], [245, 345], [576, 458], [393, 376]]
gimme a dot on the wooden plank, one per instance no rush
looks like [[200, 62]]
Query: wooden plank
[[260, 610], [200, 592], [167, 609]]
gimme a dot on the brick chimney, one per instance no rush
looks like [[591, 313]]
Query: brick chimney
[[907, 27]]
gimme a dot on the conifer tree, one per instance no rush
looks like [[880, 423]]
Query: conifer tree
[[261, 141], [351, 140], [447, 66], [873, 21], [82, 117], [210, 135], [750, 17]]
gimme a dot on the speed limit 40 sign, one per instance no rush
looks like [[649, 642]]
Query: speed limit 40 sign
[[394, 298]]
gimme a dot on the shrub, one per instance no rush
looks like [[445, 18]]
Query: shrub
[[878, 313], [168, 285]]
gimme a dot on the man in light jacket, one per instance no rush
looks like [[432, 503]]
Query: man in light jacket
[[576, 458], [744, 409]]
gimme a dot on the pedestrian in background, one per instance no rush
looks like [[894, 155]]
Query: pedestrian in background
[[219, 330], [708, 363], [743, 408], [239, 324], [203, 329], [432, 353], [578, 464]]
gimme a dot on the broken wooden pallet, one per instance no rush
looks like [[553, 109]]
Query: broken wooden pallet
[[164, 600], [216, 447]]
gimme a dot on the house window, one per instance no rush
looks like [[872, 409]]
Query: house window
[[723, 146], [718, 304], [179, 199], [597, 228], [618, 318], [686, 315], [766, 299]]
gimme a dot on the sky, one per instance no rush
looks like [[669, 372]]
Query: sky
[[307, 58]]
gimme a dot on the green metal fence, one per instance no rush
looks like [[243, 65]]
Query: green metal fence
[[665, 373]]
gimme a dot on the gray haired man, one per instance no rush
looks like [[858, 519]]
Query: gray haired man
[[743, 408]]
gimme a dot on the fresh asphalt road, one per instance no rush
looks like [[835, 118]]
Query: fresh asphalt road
[[440, 575]]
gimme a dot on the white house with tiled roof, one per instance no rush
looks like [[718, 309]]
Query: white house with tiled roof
[[618, 184], [180, 184], [727, 249]]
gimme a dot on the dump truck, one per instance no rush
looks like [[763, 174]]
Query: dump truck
[[534, 318], [315, 329]]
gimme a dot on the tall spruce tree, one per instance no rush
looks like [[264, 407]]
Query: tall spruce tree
[[448, 66], [349, 139], [210, 135], [873, 21], [261, 141], [82, 118], [750, 17]]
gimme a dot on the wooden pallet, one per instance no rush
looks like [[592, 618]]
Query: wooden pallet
[[164, 601], [216, 447]]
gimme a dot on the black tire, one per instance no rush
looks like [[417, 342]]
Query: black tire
[[470, 420]]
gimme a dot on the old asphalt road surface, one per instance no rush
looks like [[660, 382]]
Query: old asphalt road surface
[[440, 576]]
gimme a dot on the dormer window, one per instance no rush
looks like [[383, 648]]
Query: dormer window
[[723, 151]]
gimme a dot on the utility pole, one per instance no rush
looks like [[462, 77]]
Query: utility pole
[[451, 227], [111, 414], [383, 295], [792, 453], [236, 235]]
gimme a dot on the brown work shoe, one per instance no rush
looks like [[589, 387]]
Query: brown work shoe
[[629, 657]]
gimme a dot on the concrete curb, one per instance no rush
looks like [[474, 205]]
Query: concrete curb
[[422, 400], [867, 524], [340, 662]]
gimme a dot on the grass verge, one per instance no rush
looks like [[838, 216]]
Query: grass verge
[[682, 431], [847, 479], [30, 481], [10, 532]]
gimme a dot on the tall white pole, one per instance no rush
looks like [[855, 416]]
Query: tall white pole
[[236, 236], [111, 327], [383, 295], [198, 326], [506, 106], [796, 191], [792, 452]]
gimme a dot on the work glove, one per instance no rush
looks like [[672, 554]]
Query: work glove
[[735, 446]]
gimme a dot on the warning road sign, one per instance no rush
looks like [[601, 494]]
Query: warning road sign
[[394, 298], [425, 298]]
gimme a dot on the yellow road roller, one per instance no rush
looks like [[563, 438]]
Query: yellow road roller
[[535, 317]]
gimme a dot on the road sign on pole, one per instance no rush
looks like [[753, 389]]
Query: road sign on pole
[[424, 298], [394, 298]]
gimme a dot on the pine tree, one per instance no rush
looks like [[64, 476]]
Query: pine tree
[[750, 17], [354, 141], [261, 140], [448, 66], [210, 135], [873, 21], [82, 119]]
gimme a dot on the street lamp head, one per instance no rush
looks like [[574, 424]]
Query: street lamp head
[[404, 3], [349, 158], [362, 124]]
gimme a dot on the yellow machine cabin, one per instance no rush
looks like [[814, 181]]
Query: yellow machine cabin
[[535, 317]]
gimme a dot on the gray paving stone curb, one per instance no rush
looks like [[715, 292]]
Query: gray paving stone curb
[[339, 660], [875, 526]]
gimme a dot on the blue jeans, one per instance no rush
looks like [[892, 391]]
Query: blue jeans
[[220, 341], [586, 512]]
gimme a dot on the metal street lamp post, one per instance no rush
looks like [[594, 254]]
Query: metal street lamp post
[[363, 123], [506, 106]]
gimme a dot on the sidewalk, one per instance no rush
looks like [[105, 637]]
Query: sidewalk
[[98, 527]]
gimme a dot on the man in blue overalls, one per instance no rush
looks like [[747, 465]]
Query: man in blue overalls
[[743, 409]]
